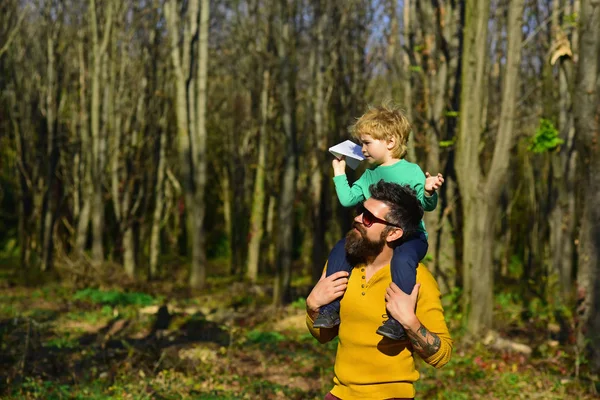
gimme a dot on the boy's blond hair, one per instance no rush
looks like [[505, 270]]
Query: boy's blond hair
[[384, 122]]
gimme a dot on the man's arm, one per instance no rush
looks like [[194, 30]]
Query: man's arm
[[325, 291], [426, 328], [425, 343]]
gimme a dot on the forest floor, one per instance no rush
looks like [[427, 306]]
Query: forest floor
[[117, 339]]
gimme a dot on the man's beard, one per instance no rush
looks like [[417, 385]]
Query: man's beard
[[359, 248]]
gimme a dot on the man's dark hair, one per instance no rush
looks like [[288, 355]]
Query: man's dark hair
[[406, 210]]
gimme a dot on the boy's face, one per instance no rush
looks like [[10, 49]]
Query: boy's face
[[376, 151]]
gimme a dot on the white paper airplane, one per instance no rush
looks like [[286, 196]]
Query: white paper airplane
[[350, 150]]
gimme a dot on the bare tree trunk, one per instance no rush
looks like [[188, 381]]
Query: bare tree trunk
[[407, 73], [191, 121], [319, 177], [562, 213], [391, 50], [85, 161], [467, 153], [288, 186], [227, 217], [587, 124], [258, 199], [480, 196], [270, 233], [159, 199], [98, 139], [49, 207], [198, 272], [25, 203], [435, 63]]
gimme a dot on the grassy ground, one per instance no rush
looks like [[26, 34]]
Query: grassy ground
[[162, 342]]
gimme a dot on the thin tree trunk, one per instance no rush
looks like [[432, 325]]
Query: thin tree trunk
[[159, 199], [407, 73], [49, 207], [319, 167], [587, 124], [198, 272], [562, 213], [98, 139], [480, 196], [258, 204], [85, 160], [288, 185], [25, 204], [270, 234], [191, 122], [467, 153]]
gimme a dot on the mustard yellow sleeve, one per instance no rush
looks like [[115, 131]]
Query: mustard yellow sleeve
[[431, 315], [321, 334]]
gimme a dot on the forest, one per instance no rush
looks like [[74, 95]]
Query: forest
[[167, 200]]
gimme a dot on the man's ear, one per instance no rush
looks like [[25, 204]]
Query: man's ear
[[394, 235]]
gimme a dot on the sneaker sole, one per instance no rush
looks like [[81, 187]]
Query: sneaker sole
[[390, 336], [322, 325]]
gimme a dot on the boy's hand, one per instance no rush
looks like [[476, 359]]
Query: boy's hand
[[433, 183], [339, 166]]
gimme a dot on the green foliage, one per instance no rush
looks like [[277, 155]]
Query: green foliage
[[62, 342], [452, 307], [448, 143], [10, 248], [38, 389], [259, 337], [570, 20], [115, 298], [545, 138], [299, 303], [91, 317], [218, 247], [515, 266]]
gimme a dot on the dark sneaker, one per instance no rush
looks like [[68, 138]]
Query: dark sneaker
[[392, 329], [328, 317]]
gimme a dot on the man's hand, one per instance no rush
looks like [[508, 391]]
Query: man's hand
[[339, 166], [326, 290], [401, 306], [433, 183]]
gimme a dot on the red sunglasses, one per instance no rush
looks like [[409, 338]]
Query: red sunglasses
[[368, 219]]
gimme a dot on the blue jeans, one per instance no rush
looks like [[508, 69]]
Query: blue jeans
[[404, 262]]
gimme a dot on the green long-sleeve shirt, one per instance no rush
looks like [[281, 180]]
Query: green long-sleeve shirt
[[402, 172]]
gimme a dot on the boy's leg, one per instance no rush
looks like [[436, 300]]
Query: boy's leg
[[329, 315], [404, 274]]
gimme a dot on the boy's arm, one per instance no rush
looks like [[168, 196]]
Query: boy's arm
[[350, 195], [429, 202]]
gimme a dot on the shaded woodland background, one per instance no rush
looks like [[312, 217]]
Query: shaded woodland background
[[163, 134]]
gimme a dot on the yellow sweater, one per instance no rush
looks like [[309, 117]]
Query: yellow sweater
[[367, 365]]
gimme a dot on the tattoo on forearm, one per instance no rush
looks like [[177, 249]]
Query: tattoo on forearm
[[424, 342]]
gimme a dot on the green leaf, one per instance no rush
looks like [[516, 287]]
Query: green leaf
[[545, 138], [447, 143]]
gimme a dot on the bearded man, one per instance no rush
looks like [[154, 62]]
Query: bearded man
[[367, 365]]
